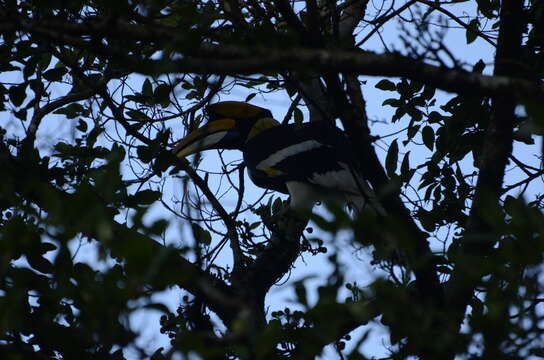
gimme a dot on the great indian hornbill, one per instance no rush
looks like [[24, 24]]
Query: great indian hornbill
[[310, 161]]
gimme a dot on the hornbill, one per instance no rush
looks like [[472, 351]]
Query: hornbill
[[310, 161]]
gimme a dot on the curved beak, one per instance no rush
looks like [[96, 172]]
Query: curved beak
[[204, 138]]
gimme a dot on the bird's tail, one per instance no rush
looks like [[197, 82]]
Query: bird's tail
[[366, 197], [357, 204]]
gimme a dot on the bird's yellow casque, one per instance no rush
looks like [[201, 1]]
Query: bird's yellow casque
[[311, 161]]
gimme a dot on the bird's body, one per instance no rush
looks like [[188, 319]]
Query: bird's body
[[309, 161]]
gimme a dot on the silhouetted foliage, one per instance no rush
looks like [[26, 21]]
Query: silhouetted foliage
[[98, 217]]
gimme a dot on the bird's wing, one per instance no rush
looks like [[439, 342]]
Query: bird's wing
[[315, 153]]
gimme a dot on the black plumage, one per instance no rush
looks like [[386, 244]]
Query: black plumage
[[325, 151], [309, 161]]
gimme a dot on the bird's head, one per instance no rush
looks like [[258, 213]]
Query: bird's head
[[230, 124]]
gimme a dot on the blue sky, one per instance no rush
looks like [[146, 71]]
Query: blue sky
[[357, 263]]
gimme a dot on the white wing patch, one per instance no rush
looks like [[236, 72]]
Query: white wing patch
[[284, 153], [343, 183], [340, 180], [337, 186]]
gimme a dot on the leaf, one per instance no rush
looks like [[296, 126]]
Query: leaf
[[187, 85], [71, 111], [428, 92], [538, 352], [412, 131], [524, 137], [147, 88], [392, 158], [157, 306], [192, 95], [137, 115], [437, 194], [416, 86], [486, 7], [298, 116], [250, 96], [386, 85], [478, 67], [444, 269], [472, 30], [405, 172], [158, 227], [429, 192], [404, 89], [399, 113], [201, 236], [535, 112], [426, 219], [162, 95], [146, 197], [46, 247], [84, 273], [17, 94], [428, 137], [254, 225], [82, 125], [5, 66], [40, 263], [300, 291], [145, 153], [434, 117], [30, 67], [21, 114], [511, 205], [55, 74], [392, 102], [277, 205], [45, 61], [138, 98]]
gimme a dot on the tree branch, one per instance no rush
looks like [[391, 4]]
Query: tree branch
[[525, 181], [238, 257], [290, 17], [351, 17], [40, 112], [282, 251], [247, 60], [347, 317], [253, 60], [119, 116], [457, 20], [497, 148], [173, 269]]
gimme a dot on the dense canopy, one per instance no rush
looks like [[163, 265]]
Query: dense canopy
[[102, 227]]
